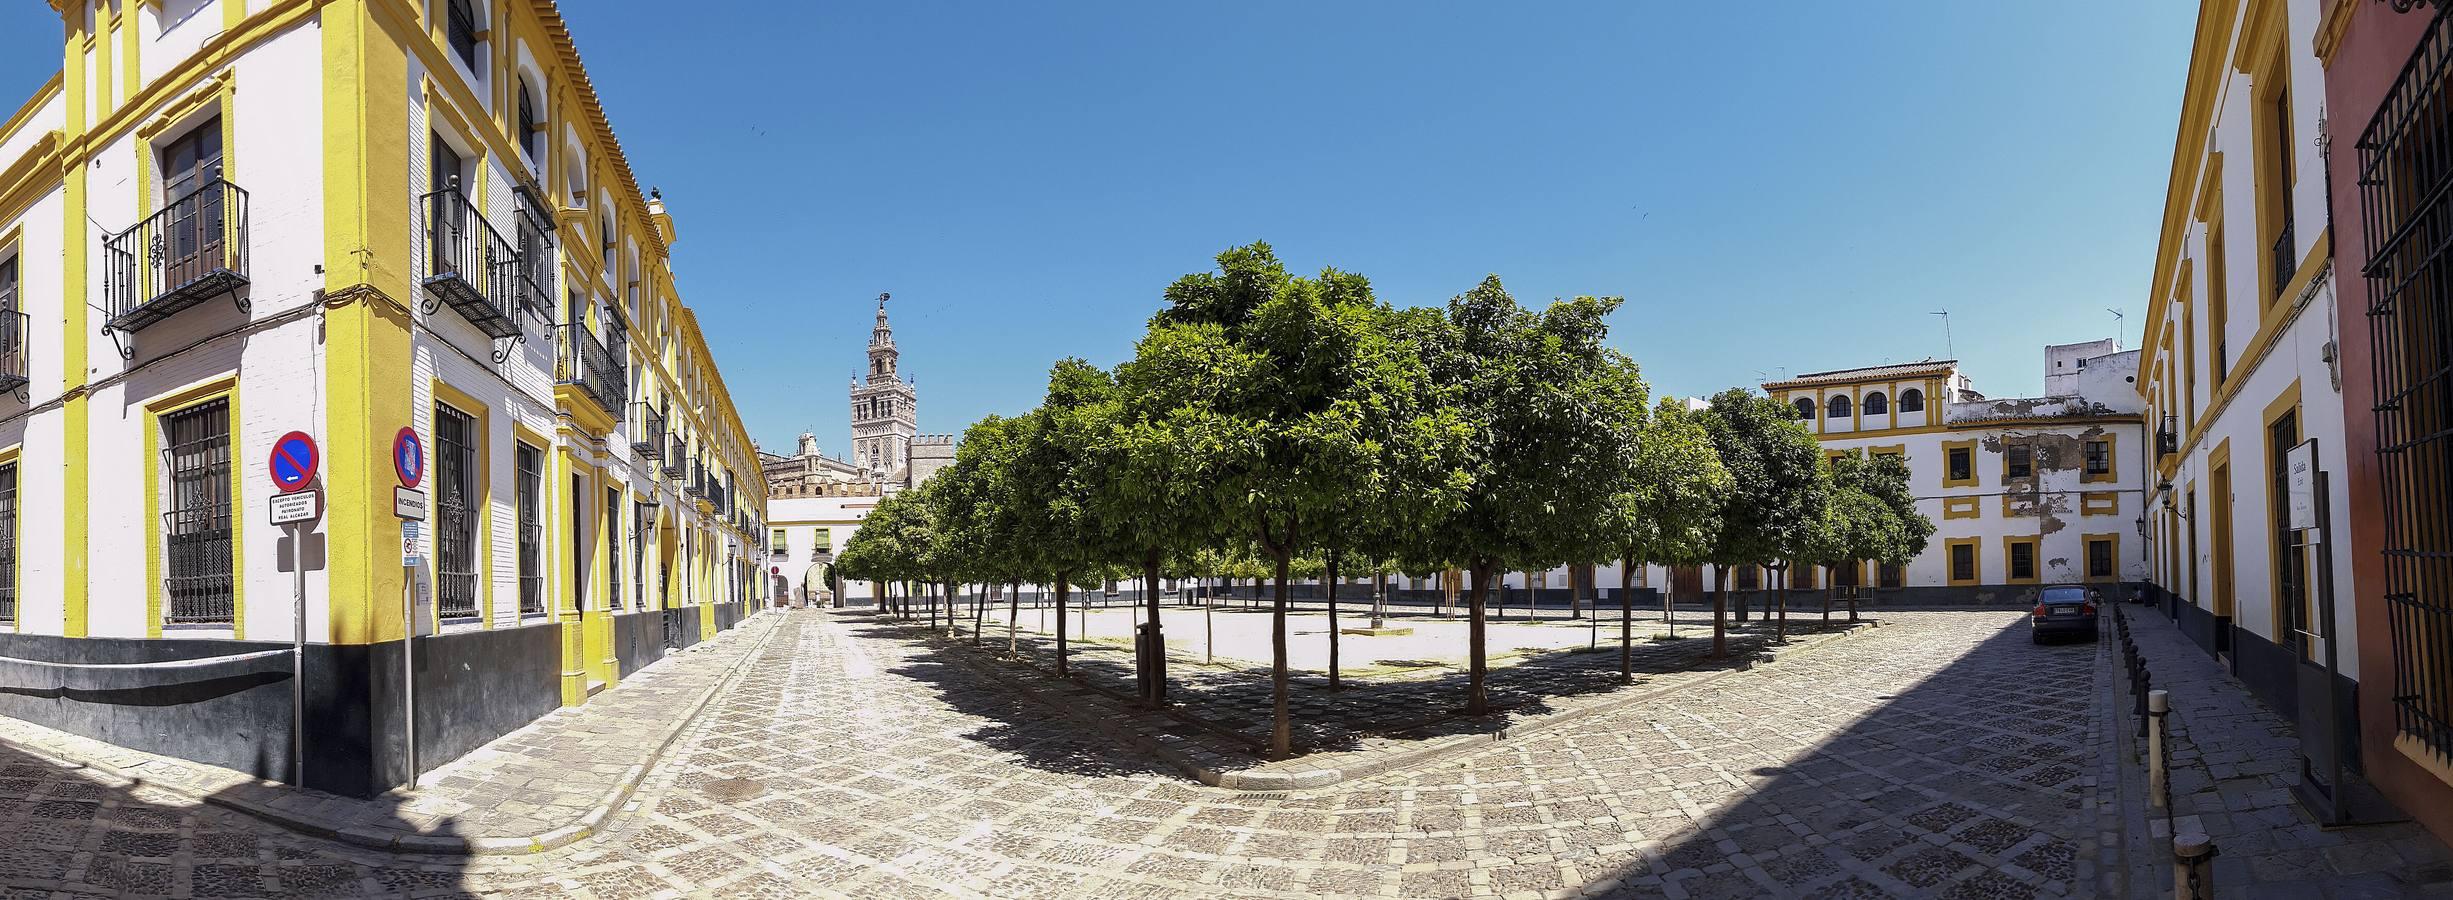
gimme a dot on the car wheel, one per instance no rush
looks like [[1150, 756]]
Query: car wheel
[[2036, 636]]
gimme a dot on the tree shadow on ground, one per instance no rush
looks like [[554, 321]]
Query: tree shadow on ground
[[1972, 780], [1228, 711], [86, 832]]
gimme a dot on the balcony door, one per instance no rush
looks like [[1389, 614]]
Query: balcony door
[[450, 212], [192, 239]]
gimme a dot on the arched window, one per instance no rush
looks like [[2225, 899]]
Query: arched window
[[530, 136], [1805, 408], [1876, 405], [461, 31], [1911, 400], [1837, 407]]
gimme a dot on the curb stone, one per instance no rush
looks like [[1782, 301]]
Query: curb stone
[[589, 823]]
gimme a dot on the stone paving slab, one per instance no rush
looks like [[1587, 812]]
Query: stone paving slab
[[1217, 726], [2234, 764], [546, 785]]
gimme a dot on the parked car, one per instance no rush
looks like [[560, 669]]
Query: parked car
[[2065, 610]]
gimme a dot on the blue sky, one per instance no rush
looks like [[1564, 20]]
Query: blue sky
[[1775, 187]]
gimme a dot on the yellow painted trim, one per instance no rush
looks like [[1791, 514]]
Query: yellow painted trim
[[2010, 511], [233, 12], [1967, 445], [2112, 459], [1962, 508], [2330, 28], [2099, 503], [2033, 463], [1976, 557], [2276, 321], [482, 414], [157, 594], [2285, 402], [2035, 559], [25, 113], [2202, 88], [33, 176], [2427, 758], [2086, 549]]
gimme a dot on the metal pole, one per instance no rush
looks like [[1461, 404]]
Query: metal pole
[[298, 658]]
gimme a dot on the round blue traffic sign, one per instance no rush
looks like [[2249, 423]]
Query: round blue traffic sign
[[293, 461], [408, 458]]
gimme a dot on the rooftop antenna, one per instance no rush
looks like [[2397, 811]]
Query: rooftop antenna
[[1947, 346], [2117, 316]]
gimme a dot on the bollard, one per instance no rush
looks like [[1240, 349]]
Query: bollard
[[2193, 867], [2158, 794]]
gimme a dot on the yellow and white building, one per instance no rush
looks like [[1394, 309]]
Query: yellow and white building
[[2022, 492], [2241, 340], [227, 220]]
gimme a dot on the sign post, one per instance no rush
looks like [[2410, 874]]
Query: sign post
[[409, 505], [292, 464]]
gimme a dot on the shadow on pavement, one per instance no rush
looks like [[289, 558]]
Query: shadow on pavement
[[1971, 781], [1230, 708], [83, 832]]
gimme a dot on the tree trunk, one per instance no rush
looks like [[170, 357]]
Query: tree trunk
[[1013, 618], [979, 615], [1780, 632], [1626, 621], [1720, 612], [1575, 595], [1332, 573], [1281, 726], [1742, 604], [1477, 700], [1060, 622], [1154, 689]]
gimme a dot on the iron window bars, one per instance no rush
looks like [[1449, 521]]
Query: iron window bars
[[8, 543], [531, 486], [2406, 204], [191, 251], [196, 528], [676, 460], [455, 535], [14, 373]]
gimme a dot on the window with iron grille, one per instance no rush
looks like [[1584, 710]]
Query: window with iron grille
[[2406, 201], [2099, 557], [1963, 562], [1962, 464], [530, 134], [8, 543], [1889, 575], [456, 498], [530, 467], [2099, 457], [196, 517], [642, 517], [776, 543], [2022, 560], [461, 31]]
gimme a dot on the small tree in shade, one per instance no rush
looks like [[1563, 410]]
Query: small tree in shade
[[1049, 483], [1776, 491], [1668, 510], [1871, 515], [1541, 412]]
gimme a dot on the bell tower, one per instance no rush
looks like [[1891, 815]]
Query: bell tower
[[885, 409]]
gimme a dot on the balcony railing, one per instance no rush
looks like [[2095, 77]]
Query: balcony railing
[[2286, 259], [696, 485], [191, 251], [13, 369], [675, 462], [2167, 438], [582, 360], [470, 266], [535, 270], [650, 436]]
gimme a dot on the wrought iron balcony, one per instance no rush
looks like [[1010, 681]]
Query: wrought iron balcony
[[2167, 438], [695, 486], [194, 250], [13, 369], [650, 436], [675, 463], [580, 359], [535, 270], [470, 266], [2286, 259]]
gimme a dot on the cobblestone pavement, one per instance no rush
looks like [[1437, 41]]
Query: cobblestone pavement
[[1941, 755], [2234, 765]]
